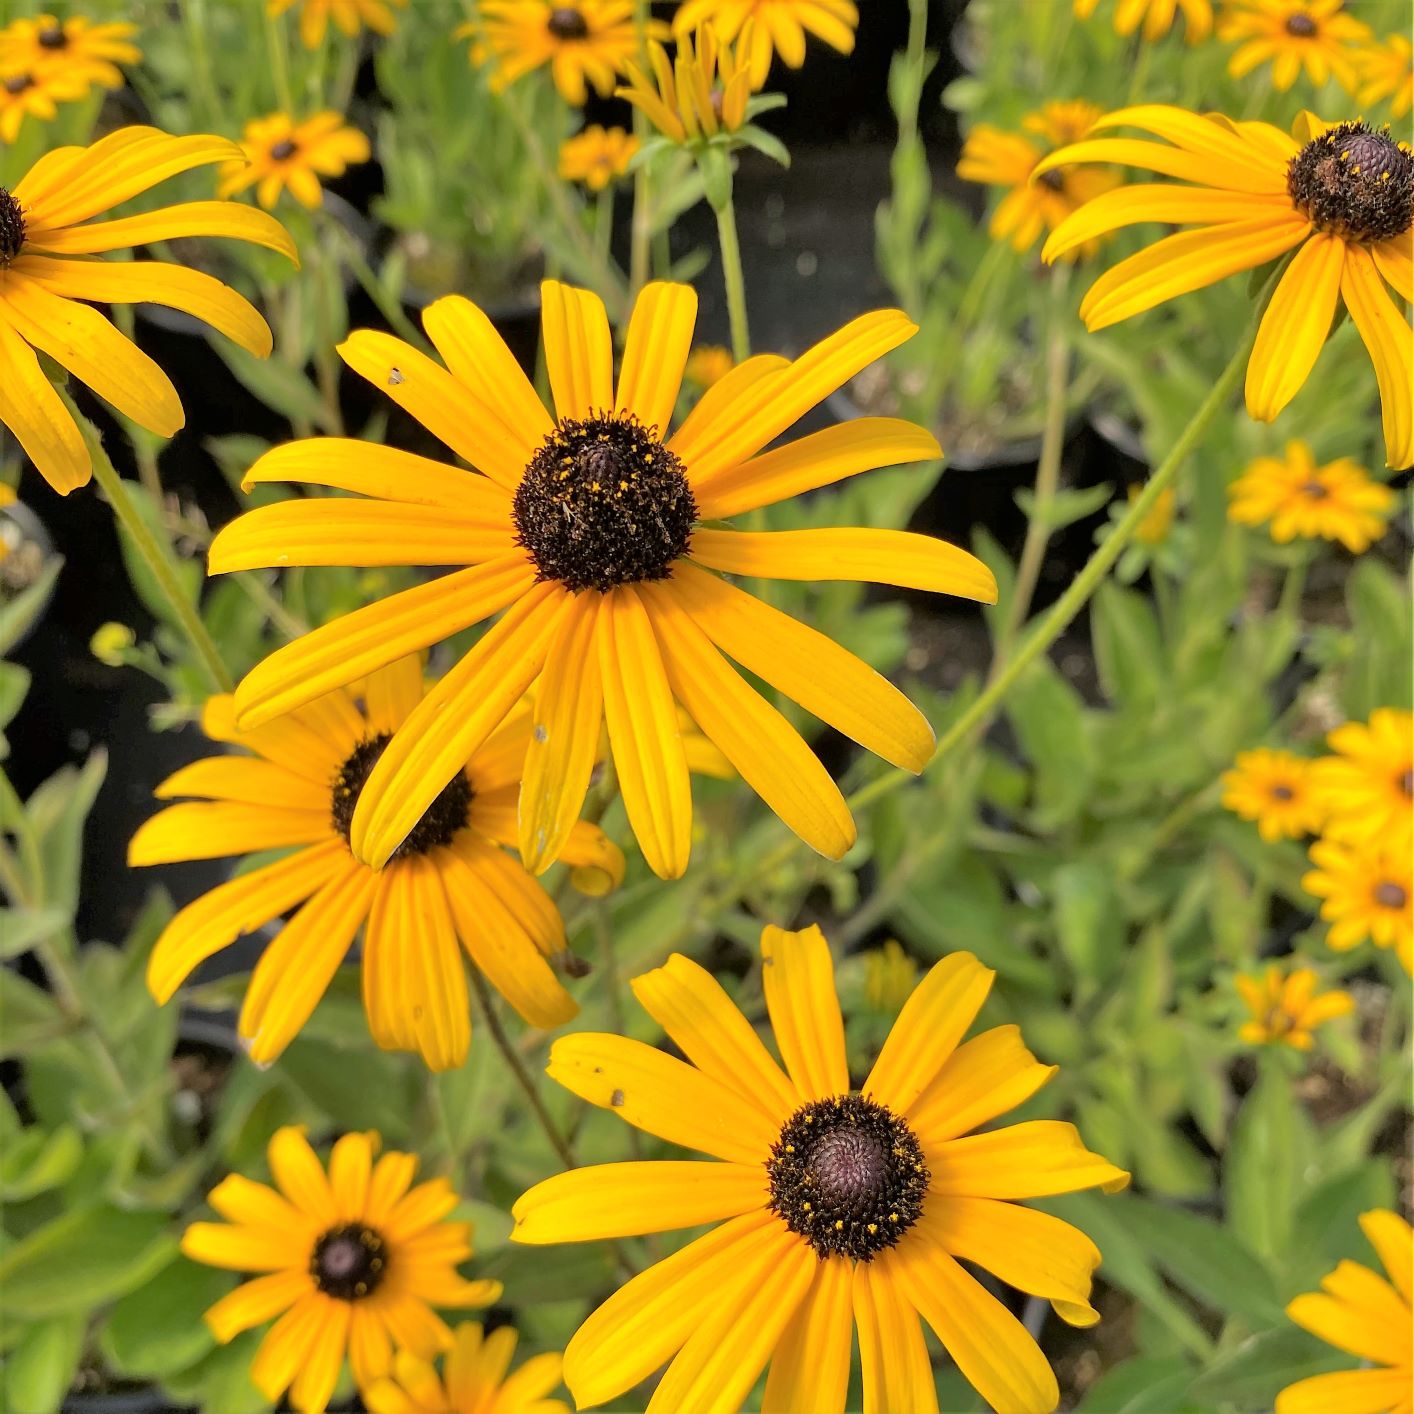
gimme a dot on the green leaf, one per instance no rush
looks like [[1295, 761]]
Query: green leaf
[[1144, 1385], [1090, 923], [17, 616], [768, 144], [1128, 650], [82, 1260], [1252, 1375], [1066, 506], [157, 1330], [22, 928], [40, 1369], [1260, 1172], [67, 798], [280, 387], [1328, 1218], [38, 1161], [1050, 721], [27, 1014]]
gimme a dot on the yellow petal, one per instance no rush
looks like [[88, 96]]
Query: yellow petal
[[894, 1366], [655, 353], [1194, 132], [810, 1366], [214, 829], [191, 218], [254, 1302], [1030, 1160], [1347, 1392], [390, 693], [350, 1164], [286, 1348], [299, 1175], [1152, 157], [1387, 337], [1393, 1241], [578, 349], [318, 1372], [241, 1249], [36, 414], [644, 734], [798, 976], [241, 779], [626, 1200], [1348, 1327], [985, 1077], [705, 421], [1395, 262]]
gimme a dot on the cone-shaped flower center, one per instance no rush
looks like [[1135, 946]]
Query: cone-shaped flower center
[[1282, 793], [604, 503], [283, 150], [17, 83], [440, 821], [847, 1175], [1315, 490], [1388, 894], [1406, 782], [348, 1262], [12, 228], [52, 37], [1354, 182], [567, 23], [1300, 26], [1054, 179]]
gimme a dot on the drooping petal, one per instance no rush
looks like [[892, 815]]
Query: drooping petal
[[36, 414], [798, 976], [1386, 334]]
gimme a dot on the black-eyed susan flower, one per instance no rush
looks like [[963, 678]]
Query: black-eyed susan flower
[[1274, 789], [1343, 201], [1386, 72], [351, 1261], [283, 155], [1304, 501], [777, 27], [1285, 1008], [1006, 160], [449, 882], [583, 42], [597, 156], [590, 527], [836, 1206], [1368, 1316], [1367, 893], [701, 94], [707, 365], [73, 48], [1154, 18], [1367, 787], [474, 1379], [351, 17], [1320, 36], [46, 220], [26, 94]]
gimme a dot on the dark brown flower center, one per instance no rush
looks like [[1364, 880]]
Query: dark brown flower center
[[18, 83], [440, 821], [349, 1262], [1406, 782], [603, 503], [1054, 179], [1354, 182], [12, 228], [1315, 490], [847, 1175], [1300, 26], [568, 23], [52, 37], [1282, 793], [283, 150], [1388, 894]]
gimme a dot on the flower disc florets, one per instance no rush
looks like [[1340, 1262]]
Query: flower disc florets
[[1301, 26], [568, 23], [283, 150], [1354, 182], [1388, 894], [12, 228], [848, 1176], [440, 822], [348, 1262], [52, 37], [604, 503]]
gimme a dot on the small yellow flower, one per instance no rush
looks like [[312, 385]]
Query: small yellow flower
[[350, 16], [780, 28], [1367, 787], [1367, 893], [708, 364], [583, 41], [1387, 71], [890, 976], [110, 643], [1002, 159], [1286, 1007], [73, 49], [34, 95], [597, 156], [1157, 17], [1358, 1311], [474, 1379], [1274, 789], [1317, 35], [1154, 528], [705, 93], [1337, 501], [352, 1261], [281, 154]]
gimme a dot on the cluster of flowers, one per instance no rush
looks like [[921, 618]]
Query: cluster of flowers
[[45, 62]]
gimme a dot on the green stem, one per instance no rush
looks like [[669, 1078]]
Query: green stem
[[195, 23], [275, 42], [915, 56], [1289, 605], [373, 287], [604, 224], [967, 307], [640, 226], [736, 284]]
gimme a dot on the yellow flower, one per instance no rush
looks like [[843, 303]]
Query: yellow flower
[[1154, 528], [1387, 71], [1157, 17], [1274, 789], [833, 1203], [352, 1262], [74, 49], [1358, 1311], [1003, 159], [780, 27], [708, 364], [597, 156], [705, 93], [34, 95], [110, 643], [590, 526], [1337, 501], [1367, 892], [583, 41], [281, 154], [350, 16], [1367, 787], [474, 1379], [1317, 35], [1344, 201], [890, 975], [1286, 1008], [298, 787], [43, 222]]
